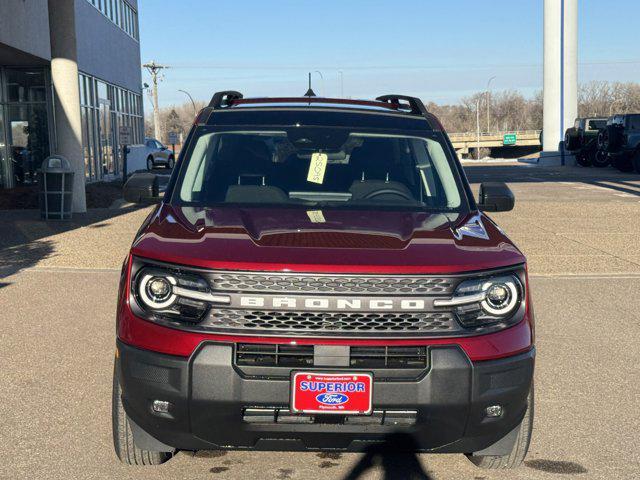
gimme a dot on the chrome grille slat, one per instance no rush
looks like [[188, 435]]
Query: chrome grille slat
[[328, 284]]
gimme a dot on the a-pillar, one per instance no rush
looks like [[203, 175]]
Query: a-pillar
[[560, 77], [64, 77]]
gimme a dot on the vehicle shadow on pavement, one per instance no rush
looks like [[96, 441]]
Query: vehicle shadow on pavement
[[608, 178], [395, 465], [26, 240]]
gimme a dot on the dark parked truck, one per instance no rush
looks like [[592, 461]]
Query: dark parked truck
[[620, 140], [318, 276], [582, 139]]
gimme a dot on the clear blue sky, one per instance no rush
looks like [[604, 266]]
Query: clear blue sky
[[438, 50]]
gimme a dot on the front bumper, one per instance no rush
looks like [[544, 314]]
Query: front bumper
[[211, 398]]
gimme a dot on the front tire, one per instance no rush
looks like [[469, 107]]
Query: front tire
[[600, 159], [123, 441], [150, 164], [171, 163], [520, 447], [583, 159]]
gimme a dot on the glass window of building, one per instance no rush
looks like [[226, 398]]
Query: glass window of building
[[24, 124]]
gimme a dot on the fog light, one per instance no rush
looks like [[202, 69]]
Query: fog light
[[493, 411], [161, 406]]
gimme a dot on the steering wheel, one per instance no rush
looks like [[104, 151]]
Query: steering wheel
[[388, 191]]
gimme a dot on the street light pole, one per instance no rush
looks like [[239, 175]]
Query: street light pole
[[195, 110], [324, 92], [478, 129], [341, 83], [489, 104]]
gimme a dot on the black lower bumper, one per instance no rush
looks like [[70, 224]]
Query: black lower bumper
[[210, 402]]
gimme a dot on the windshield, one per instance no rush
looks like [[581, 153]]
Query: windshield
[[329, 167]]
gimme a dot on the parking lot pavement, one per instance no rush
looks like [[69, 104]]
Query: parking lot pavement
[[58, 292]]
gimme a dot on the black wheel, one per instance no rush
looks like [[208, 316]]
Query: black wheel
[[150, 164], [600, 159], [623, 163], [571, 139], [520, 447], [171, 162], [636, 161], [123, 441], [583, 159], [603, 140]]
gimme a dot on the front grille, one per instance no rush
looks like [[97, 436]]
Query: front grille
[[302, 356], [344, 284], [331, 322]]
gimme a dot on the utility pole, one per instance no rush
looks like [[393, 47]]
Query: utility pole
[[153, 68], [341, 83]]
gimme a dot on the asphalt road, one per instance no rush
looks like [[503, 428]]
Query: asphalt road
[[57, 302]]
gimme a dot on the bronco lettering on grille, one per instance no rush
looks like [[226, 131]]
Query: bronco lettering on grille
[[339, 304]]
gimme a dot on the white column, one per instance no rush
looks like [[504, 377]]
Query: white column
[[64, 77], [560, 75]]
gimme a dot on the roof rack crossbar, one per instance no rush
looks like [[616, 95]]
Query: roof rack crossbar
[[416, 105], [224, 99]]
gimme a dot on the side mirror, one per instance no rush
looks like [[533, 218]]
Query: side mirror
[[143, 188], [495, 197]]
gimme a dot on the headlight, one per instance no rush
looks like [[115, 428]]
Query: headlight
[[174, 294], [156, 290], [484, 301]]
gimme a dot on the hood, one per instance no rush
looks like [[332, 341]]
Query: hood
[[336, 241]]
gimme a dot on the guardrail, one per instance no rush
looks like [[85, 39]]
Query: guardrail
[[524, 133]]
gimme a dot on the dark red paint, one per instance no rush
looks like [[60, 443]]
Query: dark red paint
[[349, 241]]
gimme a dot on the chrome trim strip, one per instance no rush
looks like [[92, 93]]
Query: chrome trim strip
[[203, 296], [456, 301]]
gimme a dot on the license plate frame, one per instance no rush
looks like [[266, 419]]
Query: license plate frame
[[306, 402]]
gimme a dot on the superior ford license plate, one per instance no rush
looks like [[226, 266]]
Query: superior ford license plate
[[332, 393]]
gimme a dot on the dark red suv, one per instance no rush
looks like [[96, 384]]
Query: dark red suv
[[318, 276]]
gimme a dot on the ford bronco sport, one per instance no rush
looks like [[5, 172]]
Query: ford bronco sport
[[318, 276]]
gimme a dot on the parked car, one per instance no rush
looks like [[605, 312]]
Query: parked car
[[158, 154], [582, 139], [318, 276], [621, 141]]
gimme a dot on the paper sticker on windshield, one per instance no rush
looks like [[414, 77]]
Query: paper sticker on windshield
[[316, 216], [317, 167]]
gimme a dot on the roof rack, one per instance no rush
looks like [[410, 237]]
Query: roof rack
[[224, 99], [415, 104]]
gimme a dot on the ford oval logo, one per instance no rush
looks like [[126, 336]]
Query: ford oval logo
[[332, 398]]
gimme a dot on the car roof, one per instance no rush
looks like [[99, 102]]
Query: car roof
[[392, 111]]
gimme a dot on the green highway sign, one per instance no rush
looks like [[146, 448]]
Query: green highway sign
[[509, 139]]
